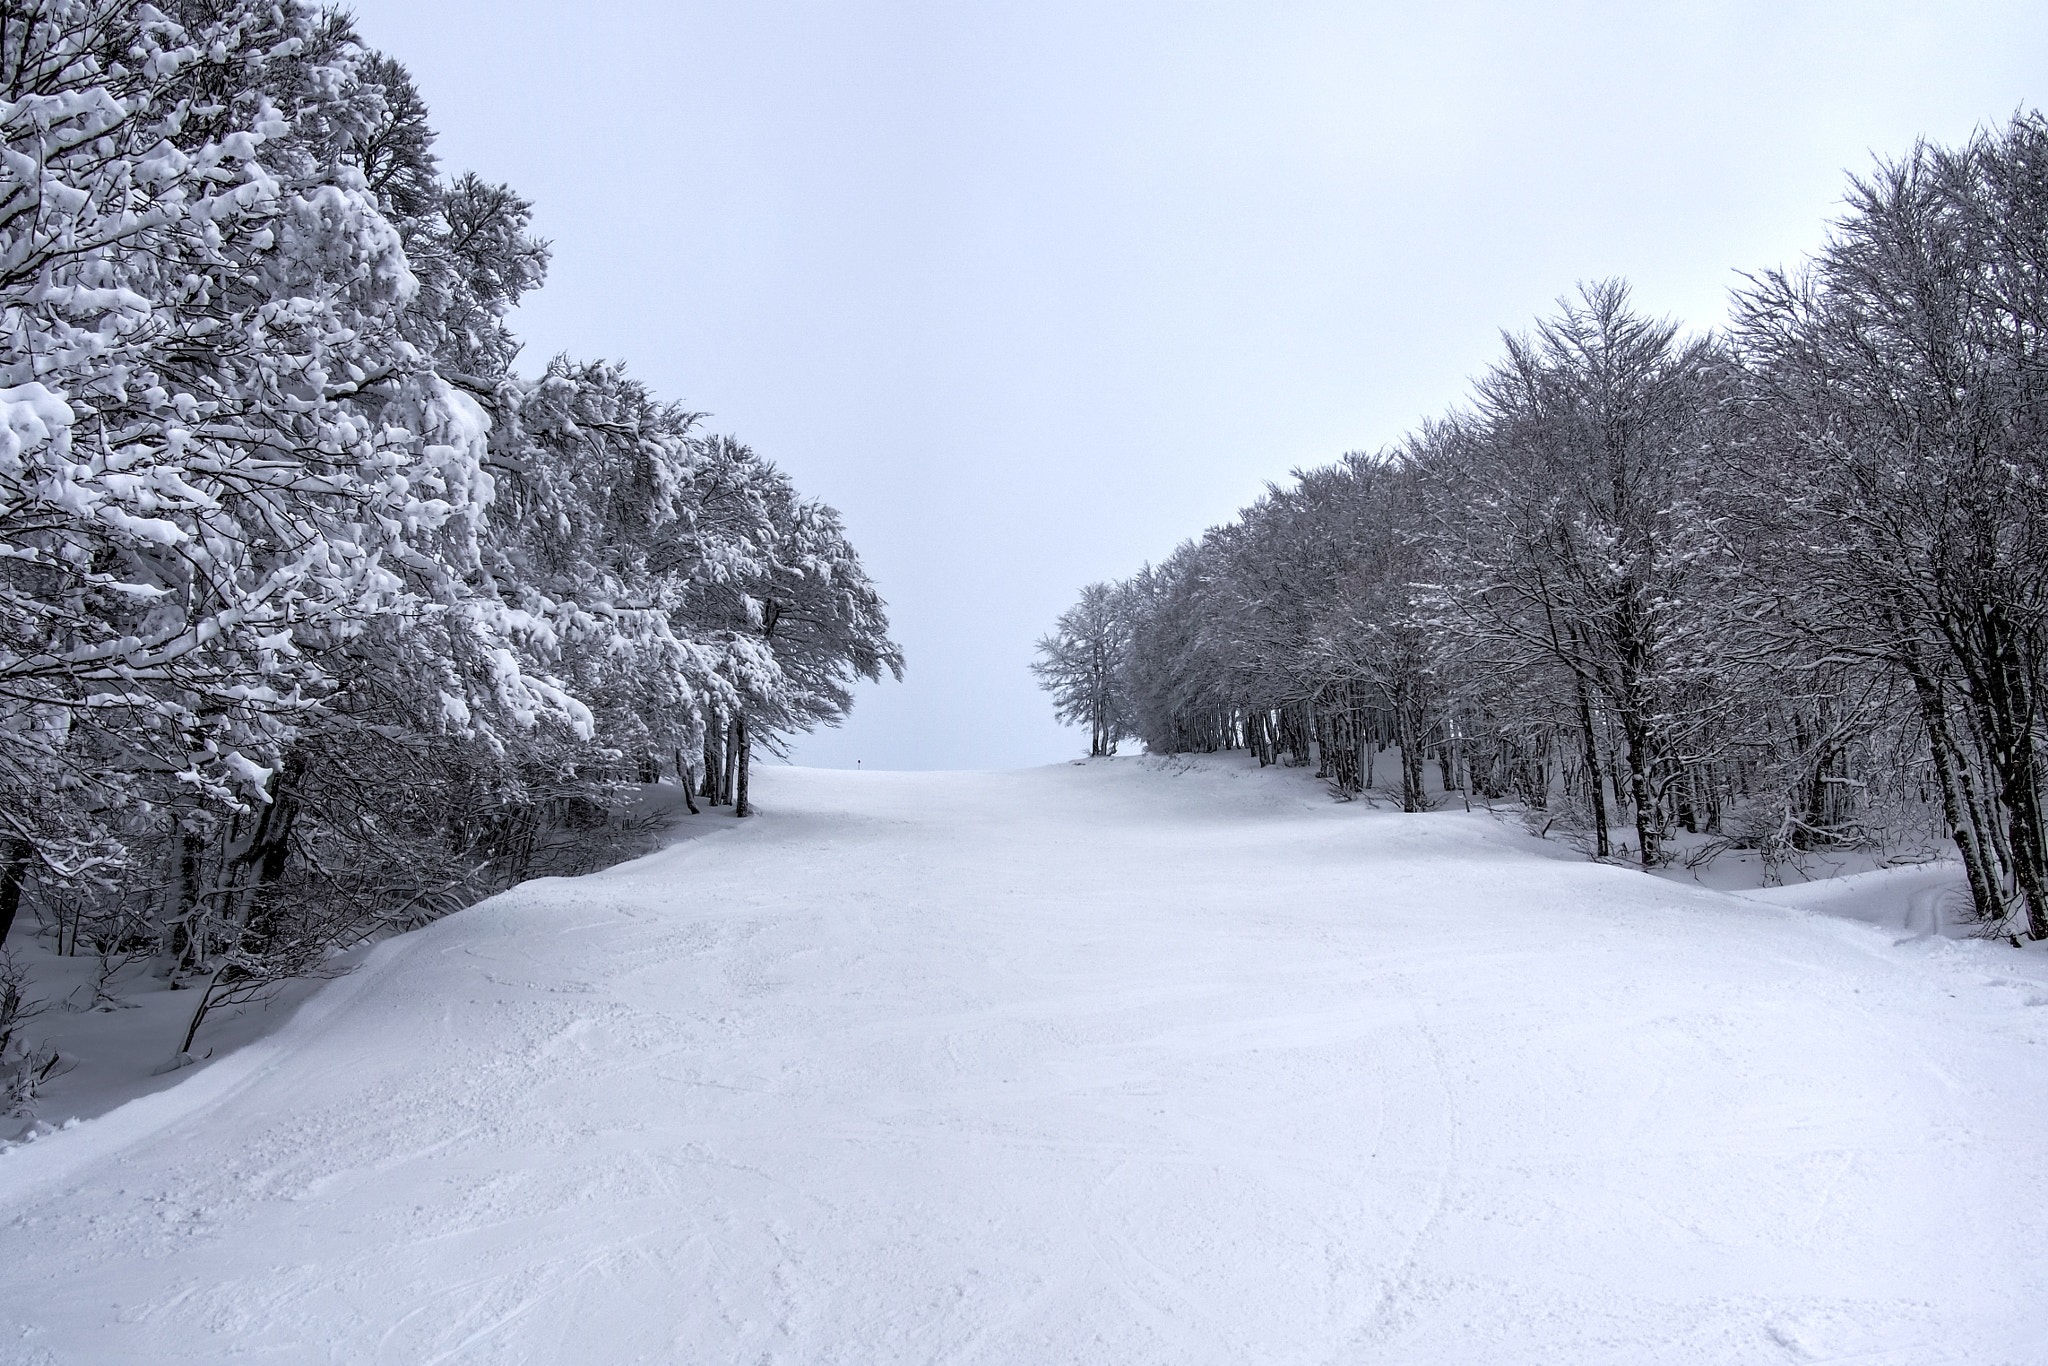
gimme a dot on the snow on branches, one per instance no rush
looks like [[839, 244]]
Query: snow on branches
[[315, 616], [1782, 589]]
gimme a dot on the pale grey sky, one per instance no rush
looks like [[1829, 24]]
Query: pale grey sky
[[1031, 292]]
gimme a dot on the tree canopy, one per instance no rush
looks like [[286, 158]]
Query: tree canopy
[[315, 614], [1782, 585]]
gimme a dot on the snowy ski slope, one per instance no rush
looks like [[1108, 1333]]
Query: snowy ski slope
[[1127, 1063]]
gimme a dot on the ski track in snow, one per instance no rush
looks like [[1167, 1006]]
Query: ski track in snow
[[1124, 1063]]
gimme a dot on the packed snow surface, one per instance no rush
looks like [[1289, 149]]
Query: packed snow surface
[[1120, 1063]]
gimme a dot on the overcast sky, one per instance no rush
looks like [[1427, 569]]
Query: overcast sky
[[1032, 292]]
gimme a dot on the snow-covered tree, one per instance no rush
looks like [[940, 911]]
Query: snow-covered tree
[[222, 459], [1567, 528], [1784, 590], [797, 620], [315, 616], [1081, 665], [1903, 402]]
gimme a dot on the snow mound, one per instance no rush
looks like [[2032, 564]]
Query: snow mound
[[1923, 900]]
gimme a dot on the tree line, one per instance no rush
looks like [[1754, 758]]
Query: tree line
[[1784, 584], [316, 617]]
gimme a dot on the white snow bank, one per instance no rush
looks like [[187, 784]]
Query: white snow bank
[[1930, 899], [78, 1144], [113, 1052]]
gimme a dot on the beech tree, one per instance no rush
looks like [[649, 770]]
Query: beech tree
[[803, 621], [223, 458], [318, 619], [1782, 590], [1567, 527], [1080, 664], [1902, 392]]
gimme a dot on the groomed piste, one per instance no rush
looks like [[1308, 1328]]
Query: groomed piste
[[1127, 1062]]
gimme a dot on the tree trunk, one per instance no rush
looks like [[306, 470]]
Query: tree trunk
[[2009, 714], [187, 929], [1983, 885], [714, 763], [1649, 839], [267, 855], [1601, 848], [1973, 829], [686, 780], [14, 859], [1413, 796], [741, 762], [729, 774]]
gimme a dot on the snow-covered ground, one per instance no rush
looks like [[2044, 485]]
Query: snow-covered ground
[[1137, 1061], [117, 1039]]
